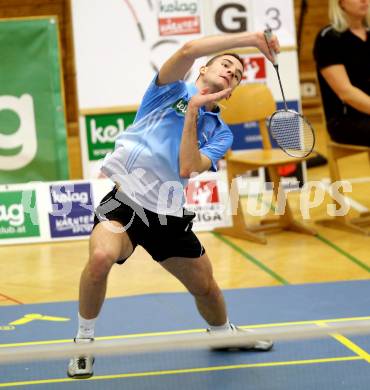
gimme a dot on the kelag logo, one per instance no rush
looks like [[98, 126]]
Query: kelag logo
[[178, 17], [73, 212], [15, 222], [171, 6], [102, 131], [181, 106]]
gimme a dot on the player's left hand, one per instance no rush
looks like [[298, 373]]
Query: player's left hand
[[203, 97]]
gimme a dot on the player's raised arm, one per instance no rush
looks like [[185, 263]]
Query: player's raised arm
[[176, 67]]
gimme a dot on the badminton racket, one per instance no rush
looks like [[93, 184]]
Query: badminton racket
[[292, 132]]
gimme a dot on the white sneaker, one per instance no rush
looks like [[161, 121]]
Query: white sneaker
[[259, 345], [81, 367]]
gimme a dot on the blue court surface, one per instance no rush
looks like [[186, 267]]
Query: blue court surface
[[333, 362]]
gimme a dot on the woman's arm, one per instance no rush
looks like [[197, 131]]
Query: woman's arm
[[337, 78]]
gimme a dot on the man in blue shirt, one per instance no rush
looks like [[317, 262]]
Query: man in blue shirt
[[153, 144], [177, 133]]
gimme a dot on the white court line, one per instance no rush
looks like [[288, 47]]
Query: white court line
[[349, 201]]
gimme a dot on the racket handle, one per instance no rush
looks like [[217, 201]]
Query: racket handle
[[268, 36]]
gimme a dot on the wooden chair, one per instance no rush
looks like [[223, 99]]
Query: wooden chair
[[337, 151], [254, 102]]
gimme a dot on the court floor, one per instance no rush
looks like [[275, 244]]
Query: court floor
[[333, 362]]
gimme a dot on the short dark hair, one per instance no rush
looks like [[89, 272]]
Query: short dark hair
[[210, 62]]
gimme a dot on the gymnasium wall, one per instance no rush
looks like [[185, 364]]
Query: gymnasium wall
[[315, 18]]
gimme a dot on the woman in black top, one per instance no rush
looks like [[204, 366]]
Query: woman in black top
[[342, 55]]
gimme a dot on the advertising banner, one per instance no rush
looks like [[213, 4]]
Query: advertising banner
[[60, 211], [117, 61], [254, 15], [18, 215], [102, 130], [32, 121], [207, 196], [179, 17], [98, 132], [72, 210]]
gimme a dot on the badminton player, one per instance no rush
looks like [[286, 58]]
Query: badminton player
[[177, 133]]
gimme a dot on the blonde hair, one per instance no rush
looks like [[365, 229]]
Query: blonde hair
[[338, 19]]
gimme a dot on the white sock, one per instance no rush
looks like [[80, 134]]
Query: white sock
[[86, 328], [221, 328]]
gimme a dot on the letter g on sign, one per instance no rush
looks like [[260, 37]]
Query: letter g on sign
[[231, 18]]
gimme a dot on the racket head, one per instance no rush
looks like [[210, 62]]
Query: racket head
[[293, 133]]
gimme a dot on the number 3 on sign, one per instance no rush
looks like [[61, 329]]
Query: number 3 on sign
[[278, 15], [273, 18]]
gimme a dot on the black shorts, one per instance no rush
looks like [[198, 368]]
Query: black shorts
[[348, 130], [162, 236]]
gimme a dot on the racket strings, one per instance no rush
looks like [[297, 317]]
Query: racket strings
[[292, 132]]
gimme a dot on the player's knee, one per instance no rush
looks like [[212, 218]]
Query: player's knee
[[100, 263]]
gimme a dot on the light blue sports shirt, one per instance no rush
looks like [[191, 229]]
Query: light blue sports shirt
[[145, 161]]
